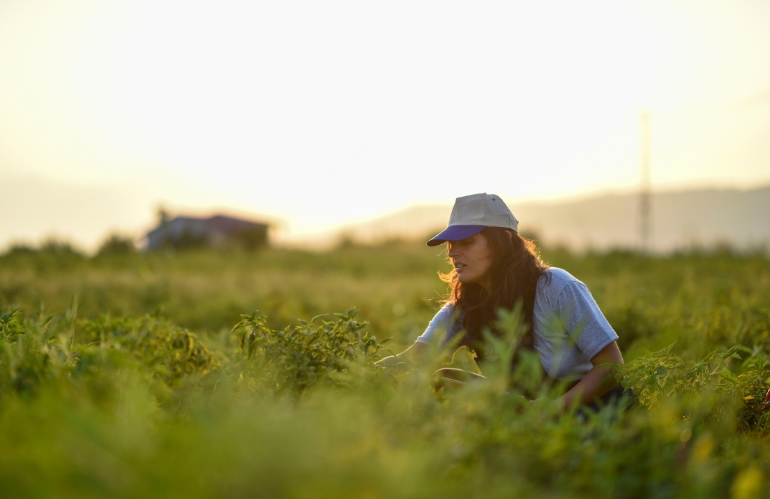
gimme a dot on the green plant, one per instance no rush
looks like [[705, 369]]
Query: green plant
[[169, 351], [9, 325], [299, 357], [661, 375]]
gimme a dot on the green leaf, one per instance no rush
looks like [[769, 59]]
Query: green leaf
[[726, 374]]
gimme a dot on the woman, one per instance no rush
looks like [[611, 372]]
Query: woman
[[495, 268]]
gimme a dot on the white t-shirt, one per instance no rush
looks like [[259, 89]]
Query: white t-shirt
[[569, 329]]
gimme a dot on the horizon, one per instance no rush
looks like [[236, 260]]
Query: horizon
[[331, 236]]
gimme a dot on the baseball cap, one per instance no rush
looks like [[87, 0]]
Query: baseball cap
[[472, 214]]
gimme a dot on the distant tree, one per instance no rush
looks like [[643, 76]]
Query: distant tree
[[20, 249], [163, 216], [58, 248], [117, 244], [346, 240]]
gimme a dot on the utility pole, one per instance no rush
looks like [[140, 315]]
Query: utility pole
[[644, 193]]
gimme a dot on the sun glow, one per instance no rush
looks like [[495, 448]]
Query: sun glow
[[328, 112]]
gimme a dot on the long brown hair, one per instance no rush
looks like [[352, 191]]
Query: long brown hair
[[516, 267]]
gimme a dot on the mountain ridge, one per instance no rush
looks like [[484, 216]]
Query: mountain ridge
[[680, 219]]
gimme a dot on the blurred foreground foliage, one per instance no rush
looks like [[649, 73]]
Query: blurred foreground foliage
[[151, 384]]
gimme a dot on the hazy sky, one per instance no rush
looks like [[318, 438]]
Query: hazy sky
[[321, 113]]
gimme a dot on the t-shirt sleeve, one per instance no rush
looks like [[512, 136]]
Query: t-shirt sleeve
[[583, 321], [438, 326]]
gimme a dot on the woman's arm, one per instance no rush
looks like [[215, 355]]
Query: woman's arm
[[414, 354], [591, 386], [424, 350]]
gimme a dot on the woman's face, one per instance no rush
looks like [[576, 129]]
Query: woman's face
[[472, 258]]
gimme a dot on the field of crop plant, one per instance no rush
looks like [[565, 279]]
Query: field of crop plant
[[151, 375]]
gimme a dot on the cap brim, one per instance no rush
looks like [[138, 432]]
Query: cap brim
[[456, 233]]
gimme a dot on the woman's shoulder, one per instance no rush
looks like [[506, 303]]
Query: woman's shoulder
[[445, 312], [555, 275], [554, 280], [441, 323]]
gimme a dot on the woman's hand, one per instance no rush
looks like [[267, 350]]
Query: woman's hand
[[412, 354], [389, 361], [592, 386]]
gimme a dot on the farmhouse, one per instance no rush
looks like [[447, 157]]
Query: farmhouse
[[218, 231]]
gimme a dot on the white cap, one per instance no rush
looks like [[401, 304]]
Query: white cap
[[472, 214]]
